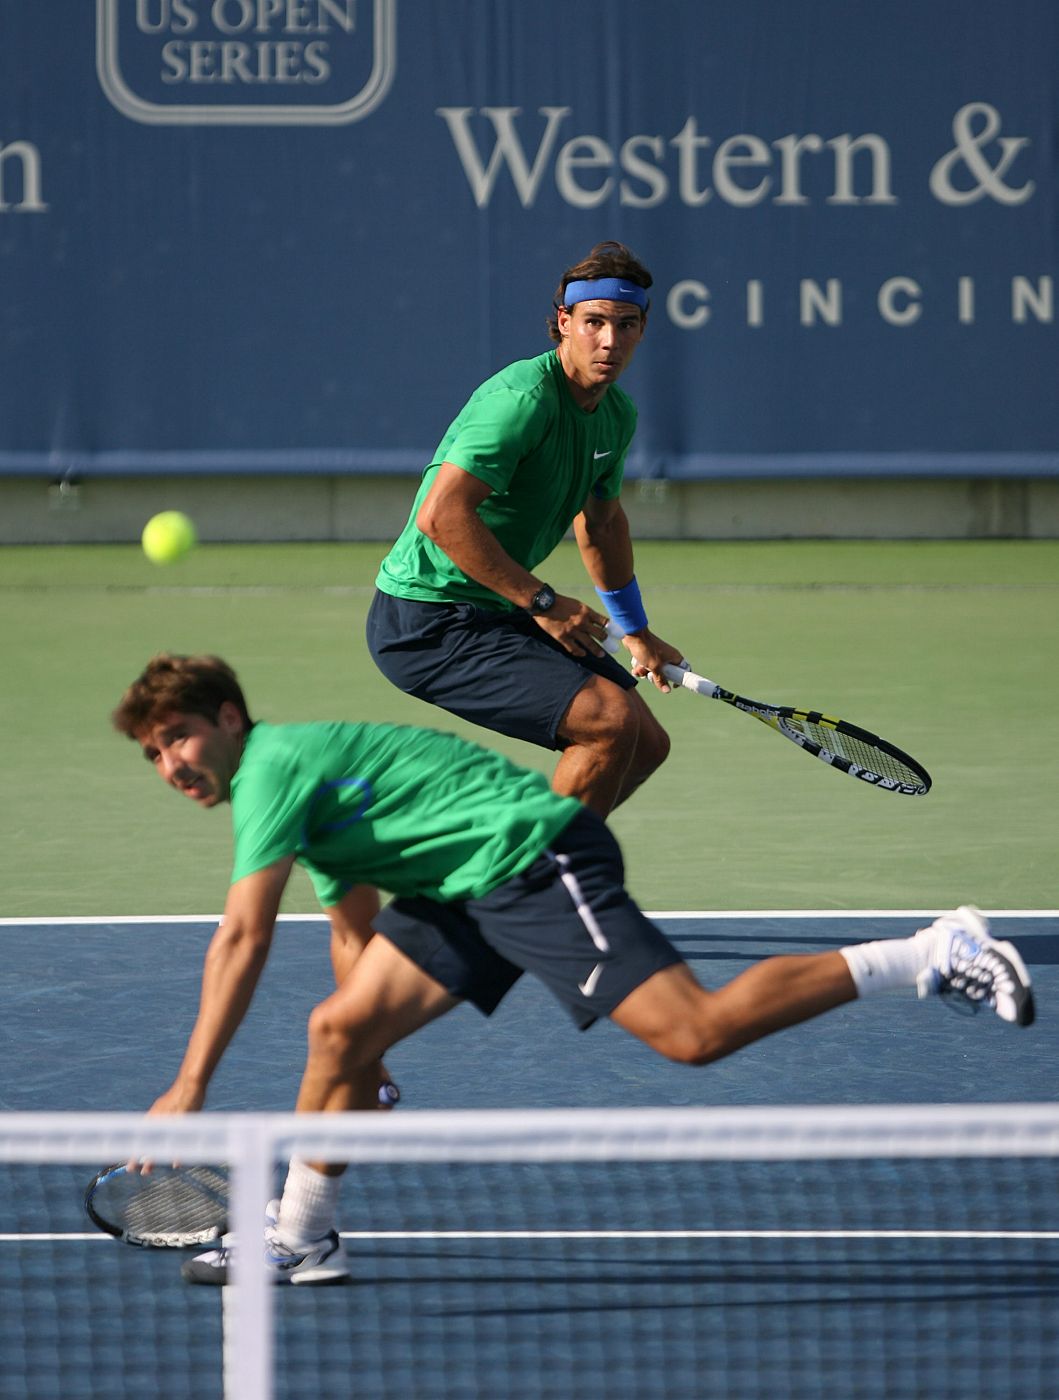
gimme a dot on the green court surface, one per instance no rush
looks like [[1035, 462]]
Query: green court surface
[[949, 649]]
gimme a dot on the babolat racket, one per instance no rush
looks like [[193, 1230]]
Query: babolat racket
[[171, 1207], [166, 1208], [844, 746]]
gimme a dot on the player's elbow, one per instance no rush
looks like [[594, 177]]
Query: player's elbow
[[442, 519], [427, 520]]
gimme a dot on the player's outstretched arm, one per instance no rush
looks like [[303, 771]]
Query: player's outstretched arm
[[234, 960]]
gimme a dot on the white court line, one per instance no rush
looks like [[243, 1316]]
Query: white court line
[[840, 913], [64, 920], [699, 1234], [35, 1238], [89, 921], [384, 1235]]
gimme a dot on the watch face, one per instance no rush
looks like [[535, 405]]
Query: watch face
[[543, 599]]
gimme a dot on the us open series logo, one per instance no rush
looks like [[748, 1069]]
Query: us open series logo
[[246, 62]]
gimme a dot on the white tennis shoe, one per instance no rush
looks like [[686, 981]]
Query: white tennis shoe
[[318, 1261], [964, 963]]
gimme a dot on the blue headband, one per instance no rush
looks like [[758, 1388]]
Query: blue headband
[[604, 289]]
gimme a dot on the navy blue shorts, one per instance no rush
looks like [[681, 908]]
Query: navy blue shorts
[[496, 669], [567, 919]]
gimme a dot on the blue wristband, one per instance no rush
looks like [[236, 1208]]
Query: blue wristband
[[625, 607]]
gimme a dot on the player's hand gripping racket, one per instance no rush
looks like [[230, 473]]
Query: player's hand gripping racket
[[170, 1207], [844, 746], [166, 1208]]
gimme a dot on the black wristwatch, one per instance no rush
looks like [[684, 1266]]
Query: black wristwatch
[[543, 600]]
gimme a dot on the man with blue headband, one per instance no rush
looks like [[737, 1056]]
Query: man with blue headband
[[462, 619]]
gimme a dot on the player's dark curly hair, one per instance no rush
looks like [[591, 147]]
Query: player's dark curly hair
[[607, 259], [192, 685]]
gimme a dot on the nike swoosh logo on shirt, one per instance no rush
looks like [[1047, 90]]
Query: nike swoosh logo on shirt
[[597, 455]]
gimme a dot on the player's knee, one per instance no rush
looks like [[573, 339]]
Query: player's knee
[[653, 747], [603, 718], [684, 1049], [690, 1042], [622, 730], [651, 751], [337, 1040]]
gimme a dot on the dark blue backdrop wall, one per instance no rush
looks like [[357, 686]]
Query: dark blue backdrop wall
[[294, 234]]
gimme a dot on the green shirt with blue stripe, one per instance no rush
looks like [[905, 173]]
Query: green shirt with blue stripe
[[412, 811]]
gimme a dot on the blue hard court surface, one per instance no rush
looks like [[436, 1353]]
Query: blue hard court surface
[[96, 1016]]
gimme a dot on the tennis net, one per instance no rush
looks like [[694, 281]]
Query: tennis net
[[676, 1253]]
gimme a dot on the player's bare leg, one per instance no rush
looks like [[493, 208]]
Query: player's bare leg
[[613, 743], [387, 999], [352, 926], [681, 1019], [955, 957]]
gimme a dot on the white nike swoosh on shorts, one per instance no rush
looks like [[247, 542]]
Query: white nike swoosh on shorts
[[588, 986]]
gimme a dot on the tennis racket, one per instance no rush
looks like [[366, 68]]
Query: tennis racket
[[168, 1208], [836, 742]]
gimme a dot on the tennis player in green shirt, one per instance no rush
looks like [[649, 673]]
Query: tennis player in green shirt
[[493, 874], [462, 619]]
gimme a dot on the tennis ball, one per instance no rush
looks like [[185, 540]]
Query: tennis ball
[[168, 537]]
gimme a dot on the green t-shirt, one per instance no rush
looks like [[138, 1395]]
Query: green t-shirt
[[522, 433], [413, 811]]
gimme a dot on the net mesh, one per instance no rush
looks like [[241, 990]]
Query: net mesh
[[669, 1253]]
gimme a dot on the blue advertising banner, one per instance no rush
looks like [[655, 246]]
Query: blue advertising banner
[[282, 235]]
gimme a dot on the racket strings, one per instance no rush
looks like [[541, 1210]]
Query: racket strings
[[194, 1200], [860, 752]]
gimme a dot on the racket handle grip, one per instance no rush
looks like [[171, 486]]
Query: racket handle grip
[[675, 674], [686, 677], [389, 1094], [612, 643], [681, 675]]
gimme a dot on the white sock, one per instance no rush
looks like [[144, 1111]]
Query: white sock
[[885, 964], [310, 1199]]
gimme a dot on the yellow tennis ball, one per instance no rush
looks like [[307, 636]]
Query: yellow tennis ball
[[168, 537]]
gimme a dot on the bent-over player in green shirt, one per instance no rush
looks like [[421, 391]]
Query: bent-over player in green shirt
[[493, 874]]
